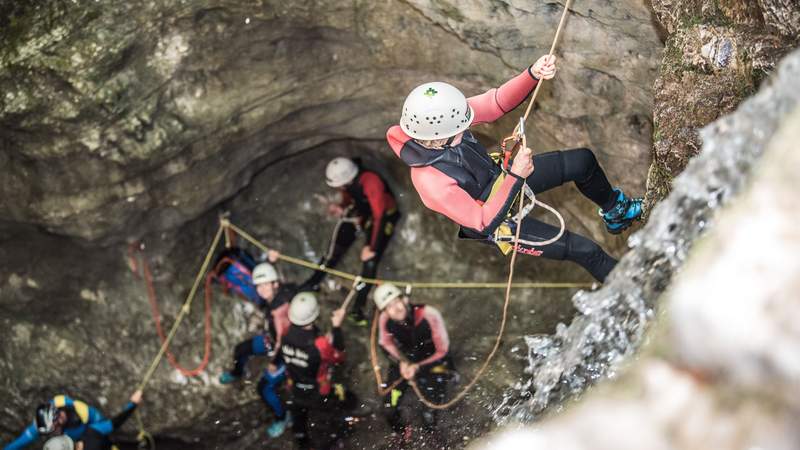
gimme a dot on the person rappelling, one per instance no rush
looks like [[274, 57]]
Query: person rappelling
[[454, 175], [366, 203]]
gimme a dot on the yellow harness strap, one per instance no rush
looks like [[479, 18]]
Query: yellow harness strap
[[503, 229]]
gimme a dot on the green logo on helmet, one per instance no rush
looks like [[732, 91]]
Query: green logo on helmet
[[431, 92]]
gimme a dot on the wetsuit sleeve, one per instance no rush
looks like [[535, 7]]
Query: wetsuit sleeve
[[386, 339], [25, 439], [443, 195], [331, 350], [494, 103], [337, 339], [120, 418], [98, 422], [374, 191], [441, 341], [280, 317]]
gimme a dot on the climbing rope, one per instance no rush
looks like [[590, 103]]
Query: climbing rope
[[184, 310], [153, 300], [144, 438], [344, 218], [519, 134], [424, 400], [373, 353], [357, 286], [409, 284]]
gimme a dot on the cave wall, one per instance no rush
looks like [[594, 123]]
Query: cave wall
[[121, 118], [126, 121], [716, 55]]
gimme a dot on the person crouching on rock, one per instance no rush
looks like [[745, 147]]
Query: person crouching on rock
[[274, 297], [62, 415], [94, 438], [368, 201], [454, 175], [310, 357], [415, 339]]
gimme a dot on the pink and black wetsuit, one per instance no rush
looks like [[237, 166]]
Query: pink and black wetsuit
[[421, 338], [456, 181], [375, 208], [462, 197]]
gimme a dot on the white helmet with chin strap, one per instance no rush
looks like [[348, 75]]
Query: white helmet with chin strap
[[340, 172], [304, 309], [385, 294], [264, 273], [435, 110]]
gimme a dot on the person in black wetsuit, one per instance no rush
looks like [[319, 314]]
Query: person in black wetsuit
[[369, 204], [310, 357], [415, 339]]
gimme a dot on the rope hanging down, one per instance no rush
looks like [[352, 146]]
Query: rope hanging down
[[519, 130], [184, 309], [485, 365], [147, 276]]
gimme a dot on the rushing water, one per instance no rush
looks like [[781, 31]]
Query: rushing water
[[612, 320]]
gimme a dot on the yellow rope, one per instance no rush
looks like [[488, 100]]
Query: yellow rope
[[185, 308], [424, 400], [143, 435], [412, 284]]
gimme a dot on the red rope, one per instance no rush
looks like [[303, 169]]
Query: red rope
[[151, 295]]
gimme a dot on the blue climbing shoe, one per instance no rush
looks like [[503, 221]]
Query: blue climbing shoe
[[227, 378], [277, 427], [622, 214]]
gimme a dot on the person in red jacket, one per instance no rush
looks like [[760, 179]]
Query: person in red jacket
[[366, 204], [454, 175], [310, 357], [415, 340]]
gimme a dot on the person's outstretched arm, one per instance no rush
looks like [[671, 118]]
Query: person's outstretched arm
[[25, 439]]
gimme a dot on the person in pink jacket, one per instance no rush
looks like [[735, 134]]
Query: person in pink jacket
[[454, 175]]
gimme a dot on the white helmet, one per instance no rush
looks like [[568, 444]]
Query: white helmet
[[384, 294], [61, 442], [304, 309], [264, 273], [340, 171], [435, 111]]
